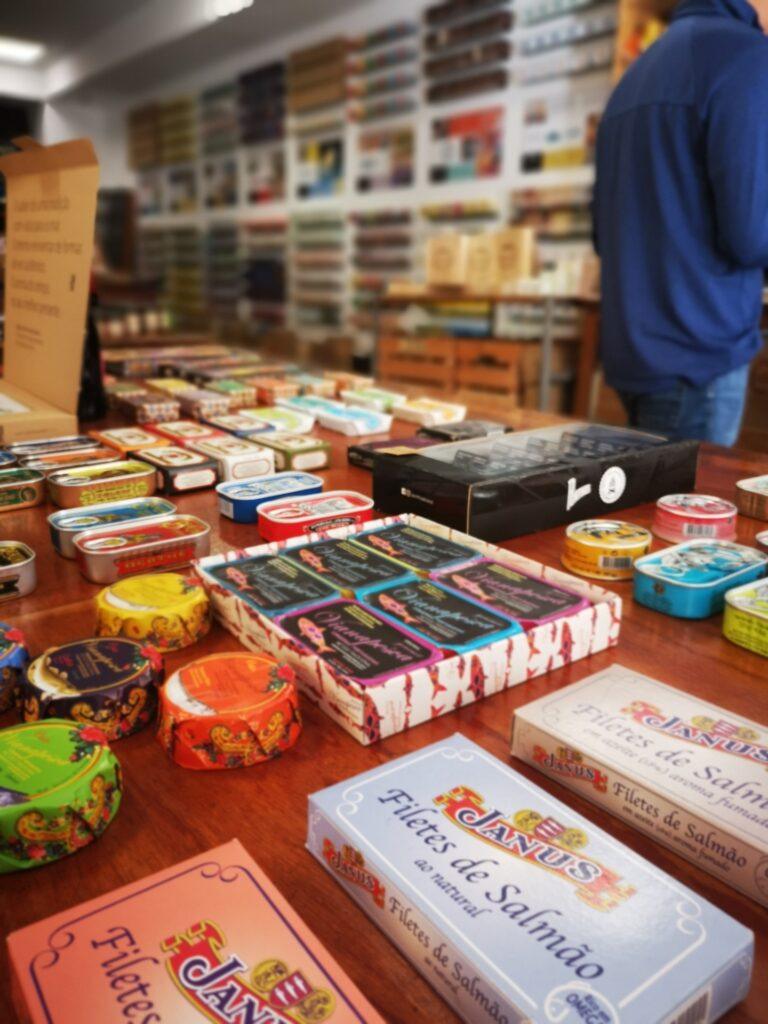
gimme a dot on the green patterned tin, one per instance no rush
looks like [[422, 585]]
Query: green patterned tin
[[60, 786]]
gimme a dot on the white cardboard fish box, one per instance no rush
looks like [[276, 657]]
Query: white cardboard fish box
[[398, 699]]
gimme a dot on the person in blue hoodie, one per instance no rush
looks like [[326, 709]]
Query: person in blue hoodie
[[681, 221]]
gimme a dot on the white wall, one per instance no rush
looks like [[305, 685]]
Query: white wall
[[104, 124]]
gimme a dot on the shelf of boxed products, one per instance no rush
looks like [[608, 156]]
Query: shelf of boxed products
[[222, 265], [178, 131], [261, 104], [144, 137], [264, 274], [219, 123], [317, 273], [467, 49], [183, 283], [383, 73]]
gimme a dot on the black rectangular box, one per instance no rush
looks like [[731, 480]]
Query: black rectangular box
[[507, 485]]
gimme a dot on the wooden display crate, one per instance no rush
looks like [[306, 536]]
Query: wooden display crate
[[492, 367], [423, 362]]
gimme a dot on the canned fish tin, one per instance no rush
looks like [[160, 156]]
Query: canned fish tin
[[378, 399], [105, 556], [229, 710], [428, 412], [66, 524], [269, 389], [179, 469], [181, 431], [298, 451], [238, 424], [61, 787], [20, 488], [681, 517], [93, 485], [202, 403], [18, 572], [51, 446], [604, 549], [127, 440], [239, 501], [67, 460], [690, 580], [746, 617], [167, 610], [288, 421], [238, 393], [109, 683], [13, 661], [752, 497], [151, 408], [315, 515], [236, 458], [7, 459]]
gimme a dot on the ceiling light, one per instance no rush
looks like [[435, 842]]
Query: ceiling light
[[222, 8], [20, 51]]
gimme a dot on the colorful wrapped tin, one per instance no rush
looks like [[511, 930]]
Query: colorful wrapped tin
[[529, 601], [94, 485], [65, 460], [167, 610], [20, 488], [428, 412], [752, 497], [13, 661], [358, 642], [604, 549], [316, 514], [229, 711], [239, 424], [690, 580], [745, 621], [66, 524], [179, 469], [60, 787], [681, 517], [298, 451], [151, 408], [236, 458], [289, 421], [272, 585], [269, 389], [440, 616], [51, 446], [416, 549], [182, 431], [105, 556], [240, 500], [202, 403], [109, 683], [18, 570], [126, 440]]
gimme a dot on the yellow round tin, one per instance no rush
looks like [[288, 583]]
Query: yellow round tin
[[167, 610], [745, 621], [604, 549]]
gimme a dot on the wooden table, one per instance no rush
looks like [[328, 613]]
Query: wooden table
[[169, 814]]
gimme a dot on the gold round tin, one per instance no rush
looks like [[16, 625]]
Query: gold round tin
[[18, 572], [167, 610], [604, 549], [745, 621], [752, 497]]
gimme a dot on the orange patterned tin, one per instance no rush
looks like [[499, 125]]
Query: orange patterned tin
[[229, 711]]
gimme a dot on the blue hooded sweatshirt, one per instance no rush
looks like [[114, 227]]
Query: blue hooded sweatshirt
[[681, 202]]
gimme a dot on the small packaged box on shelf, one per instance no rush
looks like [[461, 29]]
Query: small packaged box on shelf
[[482, 264], [406, 698], [210, 932], [447, 260], [94, 485], [506, 485], [236, 458], [670, 764], [428, 412], [240, 500], [298, 452], [179, 469], [514, 907]]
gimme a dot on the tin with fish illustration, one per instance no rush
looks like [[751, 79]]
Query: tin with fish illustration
[[105, 556], [66, 524], [240, 500], [314, 515], [94, 485]]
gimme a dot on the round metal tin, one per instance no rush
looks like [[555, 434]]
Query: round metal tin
[[66, 524], [167, 610], [20, 488], [18, 570], [291, 517], [240, 500], [690, 580], [94, 485], [604, 549], [13, 661], [752, 497], [105, 556], [229, 711], [60, 787], [109, 683], [745, 621], [681, 517]]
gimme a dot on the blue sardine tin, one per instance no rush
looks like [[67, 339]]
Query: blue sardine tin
[[514, 907], [65, 525], [690, 580], [239, 500]]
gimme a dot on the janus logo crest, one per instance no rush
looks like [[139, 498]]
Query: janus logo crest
[[350, 865], [542, 842], [710, 733], [217, 987], [570, 763]]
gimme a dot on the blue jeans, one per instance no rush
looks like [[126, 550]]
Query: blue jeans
[[712, 413]]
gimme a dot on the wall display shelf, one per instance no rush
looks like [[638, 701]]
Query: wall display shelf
[[317, 76], [264, 174], [317, 273], [384, 73], [560, 122], [264, 274], [219, 126], [466, 146], [184, 279], [181, 191], [467, 48], [144, 137], [382, 251], [261, 104], [223, 275], [220, 182], [178, 130]]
